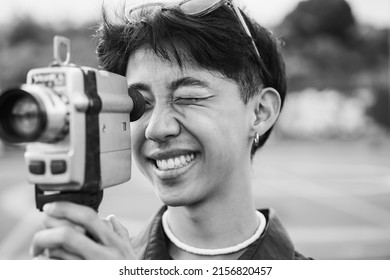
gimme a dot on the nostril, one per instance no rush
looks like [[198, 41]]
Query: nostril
[[162, 125]]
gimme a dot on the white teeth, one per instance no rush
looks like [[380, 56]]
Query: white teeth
[[175, 163], [182, 160], [163, 164], [171, 163]]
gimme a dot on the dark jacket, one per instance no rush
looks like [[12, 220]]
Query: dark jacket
[[274, 244]]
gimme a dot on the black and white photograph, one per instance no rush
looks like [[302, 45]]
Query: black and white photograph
[[195, 130]]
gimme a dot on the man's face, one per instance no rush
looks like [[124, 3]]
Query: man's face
[[193, 140]]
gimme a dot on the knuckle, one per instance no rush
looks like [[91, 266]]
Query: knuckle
[[115, 254], [54, 207], [36, 238], [125, 231], [48, 222], [89, 215], [65, 234]]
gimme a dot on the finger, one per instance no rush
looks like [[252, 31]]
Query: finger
[[51, 222], [61, 254], [64, 238], [41, 257], [81, 215], [109, 224], [123, 244], [118, 227]]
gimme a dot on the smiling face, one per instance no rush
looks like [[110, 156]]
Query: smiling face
[[193, 141]]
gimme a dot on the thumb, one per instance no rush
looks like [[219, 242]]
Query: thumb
[[117, 226]]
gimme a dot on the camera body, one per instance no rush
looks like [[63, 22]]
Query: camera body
[[94, 107], [76, 123]]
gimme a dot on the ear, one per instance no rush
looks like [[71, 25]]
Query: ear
[[266, 109]]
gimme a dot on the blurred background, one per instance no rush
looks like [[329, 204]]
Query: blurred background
[[326, 169]]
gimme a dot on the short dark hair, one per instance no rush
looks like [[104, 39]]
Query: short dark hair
[[215, 41]]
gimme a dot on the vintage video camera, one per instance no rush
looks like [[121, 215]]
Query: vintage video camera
[[76, 123]]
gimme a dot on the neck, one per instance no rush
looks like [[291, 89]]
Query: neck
[[213, 225]]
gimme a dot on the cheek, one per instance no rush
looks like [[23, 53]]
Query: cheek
[[226, 138], [137, 138], [214, 135]]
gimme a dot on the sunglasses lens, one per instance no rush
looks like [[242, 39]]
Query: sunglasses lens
[[197, 7]]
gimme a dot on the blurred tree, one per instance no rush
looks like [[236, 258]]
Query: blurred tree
[[379, 111], [325, 47], [27, 44], [325, 36], [27, 30], [374, 45], [315, 18]]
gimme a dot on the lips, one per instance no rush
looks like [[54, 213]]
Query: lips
[[175, 162]]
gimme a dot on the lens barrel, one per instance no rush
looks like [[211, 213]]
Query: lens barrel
[[22, 118], [31, 114]]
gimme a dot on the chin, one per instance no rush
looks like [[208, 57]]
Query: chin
[[176, 201], [173, 203]]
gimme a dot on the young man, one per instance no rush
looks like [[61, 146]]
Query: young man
[[214, 85]]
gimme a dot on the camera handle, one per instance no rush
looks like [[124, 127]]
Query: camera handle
[[90, 199]]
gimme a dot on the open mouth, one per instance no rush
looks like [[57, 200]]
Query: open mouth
[[174, 162]]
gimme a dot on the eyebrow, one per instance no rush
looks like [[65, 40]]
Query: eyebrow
[[140, 87], [174, 85], [187, 81]]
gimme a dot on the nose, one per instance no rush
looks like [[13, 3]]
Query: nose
[[162, 124]]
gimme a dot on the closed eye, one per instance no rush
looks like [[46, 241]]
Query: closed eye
[[188, 100]]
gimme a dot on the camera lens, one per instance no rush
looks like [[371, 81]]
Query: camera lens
[[22, 118], [33, 113]]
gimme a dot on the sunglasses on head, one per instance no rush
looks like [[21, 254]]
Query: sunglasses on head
[[197, 8]]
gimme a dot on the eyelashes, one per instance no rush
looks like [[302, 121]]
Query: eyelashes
[[190, 100], [182, 100]]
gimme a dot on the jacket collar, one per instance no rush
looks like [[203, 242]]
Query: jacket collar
[[273, 244]]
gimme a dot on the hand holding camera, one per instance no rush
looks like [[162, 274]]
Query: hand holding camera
[[75, 232]]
